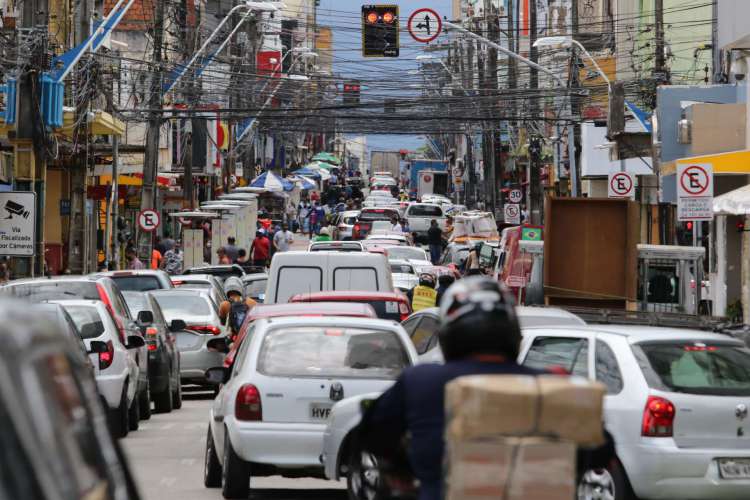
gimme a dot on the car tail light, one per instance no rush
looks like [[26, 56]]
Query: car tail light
[[105, 298], [658, 417], [355, 230], [152, 346], [213, 330], [151, 332], [106, 358], [404, 310], [248, 405]]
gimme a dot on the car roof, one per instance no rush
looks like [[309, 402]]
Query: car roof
[[22, 329], [349, 213], [342, 321], [642, 333], [24, 281], [551, 316], [254, 277], [313, 309], [319, 255], [130, 272], [180, 291], [347, 294], [193, 277], [400, 262], [92, 303]]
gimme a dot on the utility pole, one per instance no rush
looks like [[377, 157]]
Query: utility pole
[[660, 63], [536, 198], [496, 164], [151, 156], [186, 157], [575, 140]]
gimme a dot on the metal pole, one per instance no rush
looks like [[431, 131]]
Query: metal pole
[[115, 203]]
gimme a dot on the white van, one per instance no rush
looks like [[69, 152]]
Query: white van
[[306, 272]]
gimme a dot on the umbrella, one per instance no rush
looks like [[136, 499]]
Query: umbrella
[[271, 182], [326, 157], [304, 182], [735, 202], [307, 172], [322, 164]]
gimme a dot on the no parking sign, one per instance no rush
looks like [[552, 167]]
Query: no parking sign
[[695, 191]]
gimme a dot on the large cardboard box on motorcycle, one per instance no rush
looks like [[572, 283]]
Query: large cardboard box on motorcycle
[[515, 437]]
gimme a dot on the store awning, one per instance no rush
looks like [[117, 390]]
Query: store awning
[[735, 202], [733, 162], [100, 123], [133, 180]]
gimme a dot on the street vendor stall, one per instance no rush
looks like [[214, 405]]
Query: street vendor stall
[[193, 244]]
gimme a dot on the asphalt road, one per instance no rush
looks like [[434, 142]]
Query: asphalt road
[[166, 456]]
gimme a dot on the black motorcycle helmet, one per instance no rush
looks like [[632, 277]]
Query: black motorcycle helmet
[[478, 317], [427, 279]]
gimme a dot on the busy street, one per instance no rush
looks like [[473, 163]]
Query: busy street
[[329, 250]]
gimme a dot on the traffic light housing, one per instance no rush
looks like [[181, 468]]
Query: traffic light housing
[[380, 31], [351, 93]]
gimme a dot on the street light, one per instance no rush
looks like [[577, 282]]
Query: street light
[[566, 42]]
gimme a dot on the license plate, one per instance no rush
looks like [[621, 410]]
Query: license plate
[[319, 411], [734, 468]]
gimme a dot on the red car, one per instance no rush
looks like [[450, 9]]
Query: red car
[[331, 308], [367, 216], [388, 305]]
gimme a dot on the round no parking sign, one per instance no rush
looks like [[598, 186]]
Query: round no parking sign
[[148, 220]]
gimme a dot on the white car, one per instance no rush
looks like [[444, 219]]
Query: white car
[[115, 367], [343, 225], [271, 413], [404, 276], [676, 405], [417, 256]]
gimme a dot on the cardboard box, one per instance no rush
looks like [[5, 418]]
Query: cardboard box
[[566, 408], [510, 469]]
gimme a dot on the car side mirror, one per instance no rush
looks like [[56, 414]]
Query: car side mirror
[[177, 325], [135, 342], [97, 347], [217, 375], [218, 344], [145, 318]]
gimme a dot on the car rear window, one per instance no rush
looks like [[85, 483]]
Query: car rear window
[[173, 305], [53, 290], [350, 220], [425, 211], [137, 283], [402, 268], [388, 309], [406, 253], [378, 214], [355, 278], [193, 284], [255, 288], [87, 320], [696, 367], [332, 352]]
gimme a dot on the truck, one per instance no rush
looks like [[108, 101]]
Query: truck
[[433, 182], [418, 166], [386, 161]]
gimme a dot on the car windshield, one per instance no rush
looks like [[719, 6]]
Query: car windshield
[[332, 352], [87, 320], [697, 367], [255, 288], [136, 302], [173, 305], [53, 290], [136, 283], [407, 253], [425, 211]]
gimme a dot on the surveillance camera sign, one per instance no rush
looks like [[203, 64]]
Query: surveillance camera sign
[[17, 223]]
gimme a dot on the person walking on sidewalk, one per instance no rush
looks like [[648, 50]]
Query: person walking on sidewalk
[[283, 239]]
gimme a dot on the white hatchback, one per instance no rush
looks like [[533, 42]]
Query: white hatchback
[[271, 413]]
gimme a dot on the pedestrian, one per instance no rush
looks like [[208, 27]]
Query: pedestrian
[[448, 232], [260, 249], [283, 239], [168, 242], [444, 282], [396, 226], [172, 262], [319, 215], [232, 312], [231, 249], [242, 258], [435, 241], [471, 266], [325, 235], [291, 216], [133, 260], [223, 257], [424, 295], [156, 258]]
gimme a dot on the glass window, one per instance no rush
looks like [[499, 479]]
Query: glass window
[[425, 211], [402, 268], [332, 352], [698, 367], [255, 288], [355, 278], [172, 305], [424, 333], [378, 214], [136, 302], [136, 283], [407, 253], [242, 351], [87, 320], [547, 353], [410, 325], [607, 369], [293, 280]]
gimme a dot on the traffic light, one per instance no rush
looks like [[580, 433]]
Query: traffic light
[[380, 31], [351, 93]]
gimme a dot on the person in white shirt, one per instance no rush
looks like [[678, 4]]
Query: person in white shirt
[[283, 239], [396, 226]]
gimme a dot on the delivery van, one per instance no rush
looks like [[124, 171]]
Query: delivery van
[[293, 273]]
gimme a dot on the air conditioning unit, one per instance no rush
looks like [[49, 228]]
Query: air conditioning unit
[[685, 131]]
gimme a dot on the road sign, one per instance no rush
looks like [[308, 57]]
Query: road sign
[[515, 196], [425, 25], [621, 185], [18, 223], [148, 220], [512, 213], [695, 191]]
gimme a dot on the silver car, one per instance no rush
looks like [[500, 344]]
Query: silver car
[[202, 323], [344, 225], [677, 406]]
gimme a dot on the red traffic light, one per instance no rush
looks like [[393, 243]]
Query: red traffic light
[[388, 17], [740, 227], [689, 225], [372, 17]]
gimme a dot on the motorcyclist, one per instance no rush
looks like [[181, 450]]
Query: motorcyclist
[[479, 334], [423, 295], [233, 311], [445, 280]]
